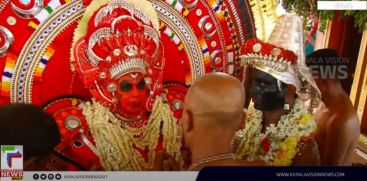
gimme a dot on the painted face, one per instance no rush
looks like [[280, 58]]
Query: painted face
[[132, 95], [265, 92]]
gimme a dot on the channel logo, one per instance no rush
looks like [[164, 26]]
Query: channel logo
[[12, 161]]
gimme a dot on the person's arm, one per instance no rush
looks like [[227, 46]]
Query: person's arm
[[336, 143], [308, 154]]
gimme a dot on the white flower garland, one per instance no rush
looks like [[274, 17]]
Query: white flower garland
[[282, 139], [115, 143]]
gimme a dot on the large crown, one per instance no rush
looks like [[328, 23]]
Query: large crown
[[283, 55], [123, 49], [121, 39], [289, 34], [115, 38]]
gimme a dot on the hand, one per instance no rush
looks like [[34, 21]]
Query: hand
[[186, 155], [165, 162]]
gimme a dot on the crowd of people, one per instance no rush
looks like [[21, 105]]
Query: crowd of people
[[128, 124]]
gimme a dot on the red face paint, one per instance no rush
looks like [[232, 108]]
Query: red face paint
[[132, 95]]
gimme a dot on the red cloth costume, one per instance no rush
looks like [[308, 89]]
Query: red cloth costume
[[197, 36]]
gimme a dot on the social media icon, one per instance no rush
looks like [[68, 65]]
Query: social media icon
[[36, 176], [43, 176], [58, 176], [51, 176]]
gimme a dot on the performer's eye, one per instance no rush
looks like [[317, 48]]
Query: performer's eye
[[126, 86], [141, 85]]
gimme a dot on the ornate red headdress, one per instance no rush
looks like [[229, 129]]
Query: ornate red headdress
[[272, 59], [283, 54], [258, 53], [120, 40]]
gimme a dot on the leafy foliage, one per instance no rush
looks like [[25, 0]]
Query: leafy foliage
[[306, 8]]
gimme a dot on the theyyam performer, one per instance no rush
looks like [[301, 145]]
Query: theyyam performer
[[119, 57], [279, 128]]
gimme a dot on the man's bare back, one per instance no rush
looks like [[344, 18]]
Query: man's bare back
[[338, 126], [337, 133]]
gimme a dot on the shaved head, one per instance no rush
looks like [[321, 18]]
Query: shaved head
[[218, 97], [212, 114]]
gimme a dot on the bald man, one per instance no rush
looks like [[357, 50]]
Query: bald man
[[212, 114]]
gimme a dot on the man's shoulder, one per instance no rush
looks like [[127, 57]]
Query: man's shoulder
[[343, 123], [342, 118], [345, 111]]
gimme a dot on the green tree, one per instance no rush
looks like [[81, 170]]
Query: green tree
[[305, 8]]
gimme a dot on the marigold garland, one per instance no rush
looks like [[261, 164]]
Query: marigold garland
[[279, 144]]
